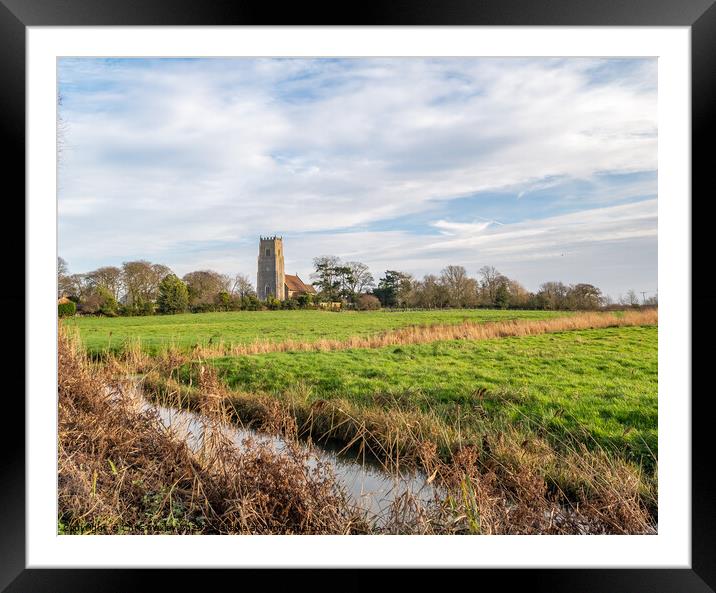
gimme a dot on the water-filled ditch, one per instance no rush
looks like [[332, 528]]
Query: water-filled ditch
[[369, 485]]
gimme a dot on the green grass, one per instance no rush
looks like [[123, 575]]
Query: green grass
[[154, 332], [602, 381]]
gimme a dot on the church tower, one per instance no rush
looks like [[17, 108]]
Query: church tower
[[271, 280]]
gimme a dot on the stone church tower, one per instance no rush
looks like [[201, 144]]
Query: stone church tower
[[271, 279]]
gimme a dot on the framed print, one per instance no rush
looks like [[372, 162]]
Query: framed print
[[293, 282]]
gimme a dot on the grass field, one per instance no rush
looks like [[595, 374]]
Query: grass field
[[517, 413], [154, 332], [605, 380]]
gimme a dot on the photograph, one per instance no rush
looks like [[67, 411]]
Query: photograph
[[415, 289], [380, 295]]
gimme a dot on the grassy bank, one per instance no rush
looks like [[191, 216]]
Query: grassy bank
[[602, 381]]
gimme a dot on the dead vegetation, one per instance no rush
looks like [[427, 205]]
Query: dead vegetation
[[121, 471]]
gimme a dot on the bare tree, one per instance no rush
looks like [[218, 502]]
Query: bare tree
[[62, 268], [490, 280], [462, 289], [552, 295], [431, 293], [109, 277], [241, 286], [136, 279], [141, 279], [159, 272], [358, 278], [205, 285], [76, 286], [63, 284], [519, 295], [630, 298]]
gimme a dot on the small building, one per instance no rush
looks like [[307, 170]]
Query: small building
[[296, 287]]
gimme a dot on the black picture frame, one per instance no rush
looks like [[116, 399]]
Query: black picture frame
[[700, 15]]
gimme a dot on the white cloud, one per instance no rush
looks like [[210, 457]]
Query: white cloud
[[612, 223], [461, 228], [222, 151]]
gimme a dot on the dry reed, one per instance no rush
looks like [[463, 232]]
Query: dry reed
[[422, 334], [121, 471]]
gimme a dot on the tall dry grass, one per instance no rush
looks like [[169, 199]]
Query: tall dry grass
[[422, 334], [121, 471]]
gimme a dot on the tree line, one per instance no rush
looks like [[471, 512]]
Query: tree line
[[352, 283], [144, 288]]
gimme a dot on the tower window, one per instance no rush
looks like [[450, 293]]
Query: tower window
[[268, 252]]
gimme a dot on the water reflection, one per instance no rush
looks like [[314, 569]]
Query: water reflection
[[370, 487]]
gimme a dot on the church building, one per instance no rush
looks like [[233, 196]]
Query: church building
[[271, 280]]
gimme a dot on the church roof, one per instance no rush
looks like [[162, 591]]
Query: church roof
[[295, 284]]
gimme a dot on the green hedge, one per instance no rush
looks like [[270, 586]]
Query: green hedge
[[66, 309]]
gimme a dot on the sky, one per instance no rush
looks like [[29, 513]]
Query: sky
[[545, 168]]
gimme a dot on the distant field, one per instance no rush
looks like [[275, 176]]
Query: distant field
[[153, 332], [602, 380]]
